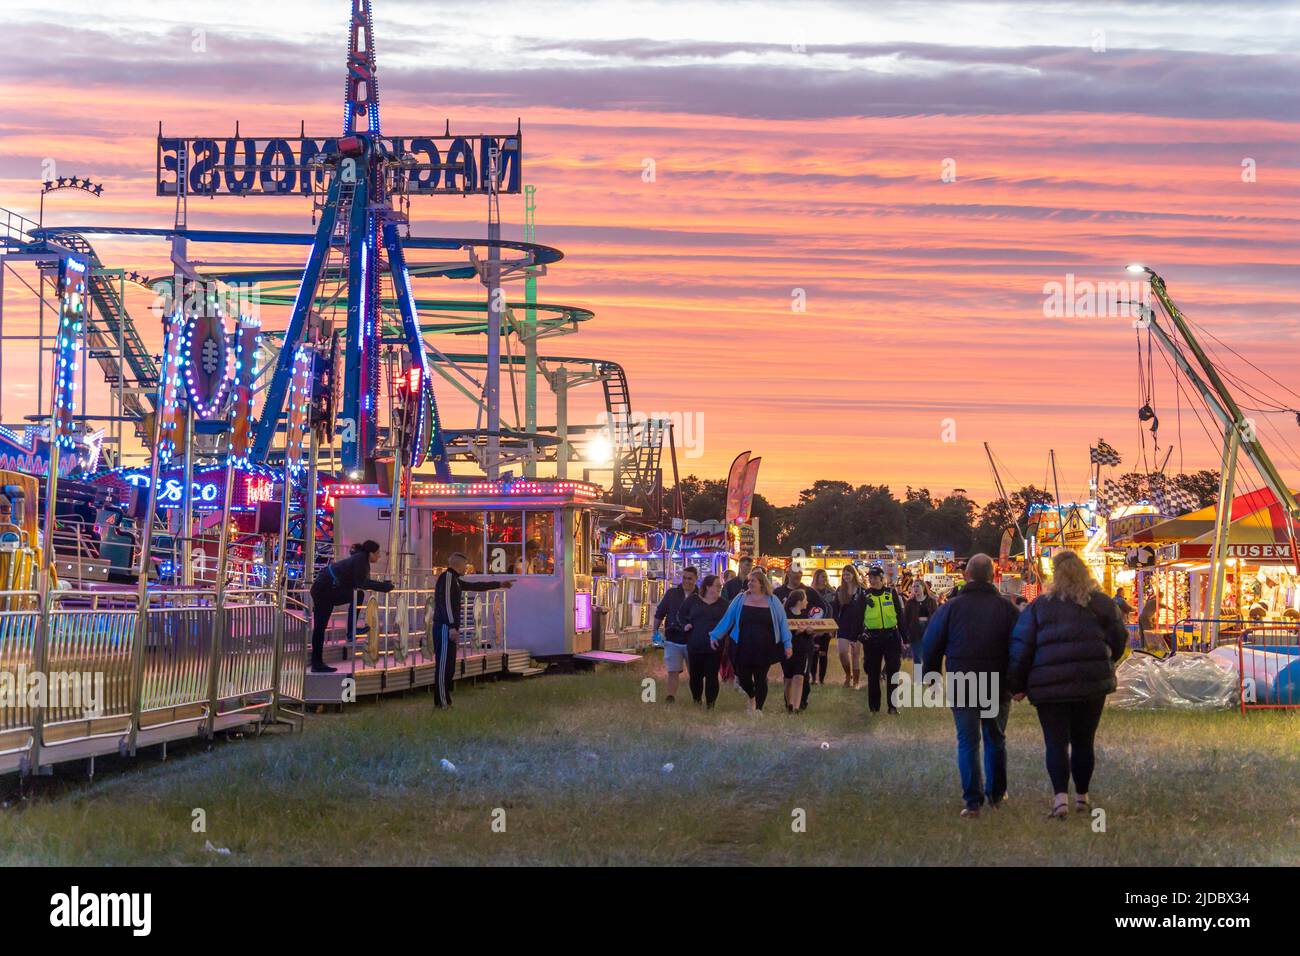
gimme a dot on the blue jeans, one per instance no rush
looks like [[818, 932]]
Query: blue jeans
[[970, 728]]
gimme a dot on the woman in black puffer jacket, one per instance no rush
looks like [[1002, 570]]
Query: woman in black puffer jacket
[[1063, 651]]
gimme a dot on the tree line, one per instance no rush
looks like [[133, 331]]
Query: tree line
[[840, 515]]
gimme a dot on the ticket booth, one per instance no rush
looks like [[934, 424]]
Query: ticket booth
[[539, 533]]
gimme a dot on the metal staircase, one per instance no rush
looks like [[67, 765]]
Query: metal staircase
[[110, 332]]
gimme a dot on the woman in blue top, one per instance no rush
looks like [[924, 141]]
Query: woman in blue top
[[755, 621]]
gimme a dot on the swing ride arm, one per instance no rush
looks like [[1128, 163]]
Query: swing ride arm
[[268, 424], [435, 448]]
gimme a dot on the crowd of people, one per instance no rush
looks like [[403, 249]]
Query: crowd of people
[[1058, 652]]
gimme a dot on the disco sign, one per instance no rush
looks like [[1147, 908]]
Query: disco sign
[[292, 165]]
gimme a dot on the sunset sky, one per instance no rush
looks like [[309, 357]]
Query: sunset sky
[[796, 146]]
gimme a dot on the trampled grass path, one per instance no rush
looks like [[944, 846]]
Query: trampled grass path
[[577, 764]]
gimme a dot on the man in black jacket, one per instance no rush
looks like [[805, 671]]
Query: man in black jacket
[[740, 582], [675, 639], [447, 620], [972, 631]]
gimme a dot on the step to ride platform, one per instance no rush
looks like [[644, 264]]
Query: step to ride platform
[[392, 673], [607, 657]]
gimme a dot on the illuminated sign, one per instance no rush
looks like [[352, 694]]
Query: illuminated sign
[[257, 490], [1120, 530], [744, 541], [72, 322], [209, 363], [582, 611], [293, 165], [247, 339], [1186, 551]]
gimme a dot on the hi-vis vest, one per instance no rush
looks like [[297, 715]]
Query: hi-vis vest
[[881, 615]]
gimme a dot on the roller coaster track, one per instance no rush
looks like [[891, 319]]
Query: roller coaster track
[[638, 445], [110, 331]]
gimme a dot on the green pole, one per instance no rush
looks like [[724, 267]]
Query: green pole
[[530, 327]]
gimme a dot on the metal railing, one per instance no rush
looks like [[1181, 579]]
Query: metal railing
[[403, 625], [15, 226], [1201, 634], [1268, 666], [629, 602], [102, 680], [20, 634]]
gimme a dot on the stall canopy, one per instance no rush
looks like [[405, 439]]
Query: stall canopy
[[1260, 530], [1261, 502]]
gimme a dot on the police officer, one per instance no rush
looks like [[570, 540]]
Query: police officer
[[881, 640]]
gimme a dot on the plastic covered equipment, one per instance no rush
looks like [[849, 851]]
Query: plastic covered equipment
[[1185, 681]]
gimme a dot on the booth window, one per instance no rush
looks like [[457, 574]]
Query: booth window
[[505, 549], [539, 542], [461, 531], [582, 543]]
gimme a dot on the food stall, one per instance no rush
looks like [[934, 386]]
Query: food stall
[[1261, 584], [664, 554], [832, 561]]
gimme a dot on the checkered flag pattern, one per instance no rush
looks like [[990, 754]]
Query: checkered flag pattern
[[1160, 491], [1103, 453]]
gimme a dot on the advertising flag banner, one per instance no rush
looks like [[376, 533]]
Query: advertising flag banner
[[734, 479], [747, 485]]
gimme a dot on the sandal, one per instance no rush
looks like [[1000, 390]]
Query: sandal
[[1059, 810], [1082, 804]]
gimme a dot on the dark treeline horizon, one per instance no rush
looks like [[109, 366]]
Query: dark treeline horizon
[[840, 515]]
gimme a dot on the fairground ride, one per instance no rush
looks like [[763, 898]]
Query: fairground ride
[[255, 435]]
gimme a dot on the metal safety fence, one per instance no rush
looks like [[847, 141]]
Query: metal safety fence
[[1268, 664], [82, 673], [401, 626], [629, 603]]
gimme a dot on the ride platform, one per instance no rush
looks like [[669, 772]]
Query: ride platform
[[393, 673]]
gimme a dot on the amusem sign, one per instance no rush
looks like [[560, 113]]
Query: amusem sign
[[294, 165]]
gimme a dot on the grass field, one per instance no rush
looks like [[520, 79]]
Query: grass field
[[577, 764]]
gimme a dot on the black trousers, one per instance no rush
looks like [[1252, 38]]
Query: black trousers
[[753, 681], [880, 647], [322, 607], [704, 676], [819, 666], [1069, 730], [323, 602], [446, 664], [817, 655]]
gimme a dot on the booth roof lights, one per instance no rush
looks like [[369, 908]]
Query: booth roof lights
[[515, 489]]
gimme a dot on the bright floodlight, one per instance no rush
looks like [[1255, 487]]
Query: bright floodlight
[[1137, 268], [600, 450]]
